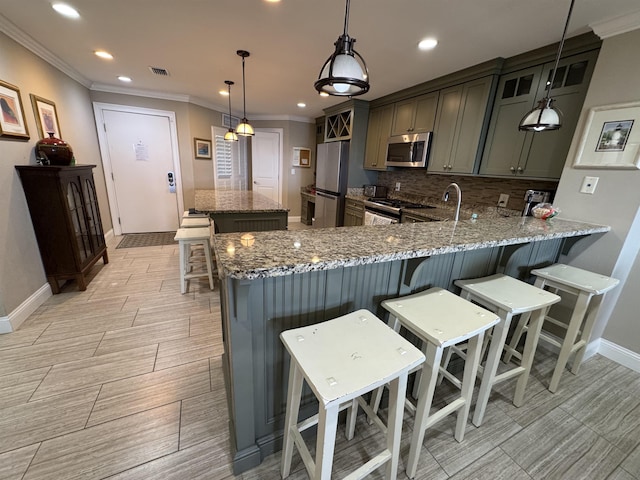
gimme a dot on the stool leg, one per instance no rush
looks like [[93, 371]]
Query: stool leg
[[183, 267], [570, 338], [352, 416], [425, 398], [517, 335], [585, 336], [397, 392], [207, 254], [326, 439], [468, 382], [376, 396], [493, 359], [530, 344], [294, 391]]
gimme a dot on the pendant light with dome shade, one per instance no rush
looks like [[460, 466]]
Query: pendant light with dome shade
[[230, 136], [345, 73], [545, 116], [244, 128]]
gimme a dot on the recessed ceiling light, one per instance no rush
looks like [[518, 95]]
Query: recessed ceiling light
[[302, 105], [273, 1], [122, 78], [66, 10], [427, 44], [103, 54], [324, 94], [224, 93]]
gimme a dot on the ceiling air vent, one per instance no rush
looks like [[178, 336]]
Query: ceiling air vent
[[159, 71]]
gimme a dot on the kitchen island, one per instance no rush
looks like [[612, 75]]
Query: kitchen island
[[241, 211], [275, 281]]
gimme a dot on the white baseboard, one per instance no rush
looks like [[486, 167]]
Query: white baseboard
[[294, 219], [12, 322], [618, 354], [109, 236]]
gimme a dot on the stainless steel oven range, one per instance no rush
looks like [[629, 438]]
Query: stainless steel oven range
[[386, 210]]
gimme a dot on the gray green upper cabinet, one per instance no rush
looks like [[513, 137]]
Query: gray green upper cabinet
[[415, 115], [510, 152], [378, 131], [459, 126]]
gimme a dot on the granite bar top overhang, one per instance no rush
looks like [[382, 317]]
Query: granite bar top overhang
[[234, 201], [277, 253]]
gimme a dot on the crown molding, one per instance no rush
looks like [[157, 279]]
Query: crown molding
[[101, 87], [286, 118], [13, 32], [616, 26]]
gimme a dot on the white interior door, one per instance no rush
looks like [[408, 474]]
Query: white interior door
[[266, 163], [139, 150]]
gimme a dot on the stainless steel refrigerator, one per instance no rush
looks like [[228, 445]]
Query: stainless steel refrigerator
[[331, 183]]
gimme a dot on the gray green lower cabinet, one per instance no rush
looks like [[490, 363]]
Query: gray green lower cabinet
[[230, 222], [254, 312]]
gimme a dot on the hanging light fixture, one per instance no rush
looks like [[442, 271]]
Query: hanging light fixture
[[244, 128], [345, 72], [545, 116], [230, 136]]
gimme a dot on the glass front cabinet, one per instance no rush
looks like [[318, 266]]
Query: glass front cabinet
[[66, 219]]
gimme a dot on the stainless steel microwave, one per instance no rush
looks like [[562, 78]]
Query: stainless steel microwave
[[411, 150]]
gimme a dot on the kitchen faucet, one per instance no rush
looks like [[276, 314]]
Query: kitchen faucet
[[445, 197]]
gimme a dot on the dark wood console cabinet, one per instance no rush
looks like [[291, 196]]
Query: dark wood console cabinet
[[64, 210]]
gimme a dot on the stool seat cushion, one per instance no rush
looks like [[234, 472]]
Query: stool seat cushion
[[578, 278], [350, 355], [186, 234], [509, 294], [440, 317]]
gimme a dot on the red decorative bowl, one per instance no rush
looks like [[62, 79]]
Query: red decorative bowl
[[53, 151]]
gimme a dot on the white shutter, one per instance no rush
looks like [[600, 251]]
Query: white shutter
[[224, 159]]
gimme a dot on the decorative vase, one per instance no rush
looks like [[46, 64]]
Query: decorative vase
[[53, 151]]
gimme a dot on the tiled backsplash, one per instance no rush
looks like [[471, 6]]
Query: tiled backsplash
[[475, 190]]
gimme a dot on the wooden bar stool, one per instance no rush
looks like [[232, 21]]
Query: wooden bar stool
[[187, 239], [342, 359], [585, 286], [439, 319], [507, 297]]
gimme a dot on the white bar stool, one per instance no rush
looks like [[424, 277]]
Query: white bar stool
[[440, 319], [186, 214], [196, 222], [188, 238], [507, 297], [342, 359], [585, 286]]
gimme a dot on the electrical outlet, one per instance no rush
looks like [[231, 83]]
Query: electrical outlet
[[397, 186], [502, 201], [589, 185]]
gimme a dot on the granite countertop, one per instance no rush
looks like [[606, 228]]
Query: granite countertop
[[278, 253], [235, 201]]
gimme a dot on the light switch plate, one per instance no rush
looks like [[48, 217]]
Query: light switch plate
[[589, 185], [397, 186], [502, 201]]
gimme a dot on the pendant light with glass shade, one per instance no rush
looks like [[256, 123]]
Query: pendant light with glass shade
[[230, 136], [244, 128], [545, 116], [345, 73]]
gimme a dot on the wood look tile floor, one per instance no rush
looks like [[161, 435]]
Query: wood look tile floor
[[124, 381]]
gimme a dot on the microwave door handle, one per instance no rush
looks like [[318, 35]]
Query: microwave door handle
[[411, 147]]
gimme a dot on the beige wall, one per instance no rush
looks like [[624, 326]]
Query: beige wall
[[616, 202], [21, 271]]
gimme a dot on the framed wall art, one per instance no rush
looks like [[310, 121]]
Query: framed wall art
[[46, 117], [611, 138], [301, 157], [202, 148], [12, 122]]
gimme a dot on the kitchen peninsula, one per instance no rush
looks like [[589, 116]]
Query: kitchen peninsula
[[276, 281], [241, 210]]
